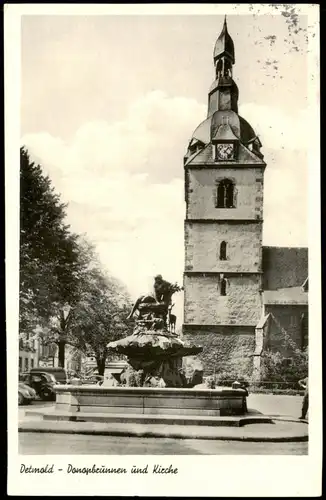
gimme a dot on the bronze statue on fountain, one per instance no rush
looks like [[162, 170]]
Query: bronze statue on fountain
[[153, 309], [152, 348]]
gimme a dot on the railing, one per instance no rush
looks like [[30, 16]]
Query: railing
[[268, 387], [288, 389]]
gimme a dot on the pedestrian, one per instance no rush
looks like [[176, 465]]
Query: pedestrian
[[305, 402]]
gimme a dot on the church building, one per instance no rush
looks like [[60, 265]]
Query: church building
[[238, 294]]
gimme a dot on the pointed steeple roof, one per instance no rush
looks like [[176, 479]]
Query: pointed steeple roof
[[223, 106], [224, 45]]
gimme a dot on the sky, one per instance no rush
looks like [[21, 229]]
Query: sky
[[109, 104]]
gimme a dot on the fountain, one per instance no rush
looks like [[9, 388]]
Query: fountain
[[153, 351], [159, 388]]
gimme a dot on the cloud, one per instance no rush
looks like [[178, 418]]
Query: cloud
[[286, 198], [285, 142], [151, 139], [124, 183], [277, 129]]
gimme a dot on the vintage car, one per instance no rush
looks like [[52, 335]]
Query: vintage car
[[43, 384], [26, 394]]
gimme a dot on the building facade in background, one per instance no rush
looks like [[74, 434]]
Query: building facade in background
[[28, 354], [35, 352], [233, 303]]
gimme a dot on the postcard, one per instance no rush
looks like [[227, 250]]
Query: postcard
[[163, 249]]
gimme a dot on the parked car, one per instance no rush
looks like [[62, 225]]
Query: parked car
[[26, 394], [59, 374], [43, 384]]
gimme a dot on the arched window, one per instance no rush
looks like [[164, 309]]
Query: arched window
[[223, 286], [225, 194], [223, 250]]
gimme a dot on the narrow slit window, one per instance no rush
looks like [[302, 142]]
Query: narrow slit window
[[223, 287], [223, 250]]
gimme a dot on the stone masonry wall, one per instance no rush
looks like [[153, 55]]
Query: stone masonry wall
[[204, 305], [202, 246], [284, 267], [201, 196], [225, 349]]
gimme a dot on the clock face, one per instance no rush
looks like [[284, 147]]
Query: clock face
[[225, 151]]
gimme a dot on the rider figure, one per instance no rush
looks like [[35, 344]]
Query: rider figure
[[161, 287]]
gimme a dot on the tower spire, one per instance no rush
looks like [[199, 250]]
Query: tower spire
[[223, 94], [224, 46]]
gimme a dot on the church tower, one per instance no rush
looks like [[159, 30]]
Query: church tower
[[224, 176]]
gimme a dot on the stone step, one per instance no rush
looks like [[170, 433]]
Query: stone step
[[232, 421]]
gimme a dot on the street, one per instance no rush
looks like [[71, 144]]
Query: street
[[39, 404], [271, 404], [76, 444]]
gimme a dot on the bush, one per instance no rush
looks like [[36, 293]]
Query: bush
[[227, 378], [281, 370]]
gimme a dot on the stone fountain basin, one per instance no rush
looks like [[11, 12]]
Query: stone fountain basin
[[153, 345], [150, 400]]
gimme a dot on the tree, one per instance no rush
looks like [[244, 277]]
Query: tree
[[281, 369], [100, 315], [50, 262], [59, 268]]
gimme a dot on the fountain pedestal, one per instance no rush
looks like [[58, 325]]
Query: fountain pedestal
[[150, 401], [157, 353], [152, 348]]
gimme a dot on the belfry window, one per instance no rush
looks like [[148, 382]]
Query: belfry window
[[223, 250], [225, 194], [223, 287]]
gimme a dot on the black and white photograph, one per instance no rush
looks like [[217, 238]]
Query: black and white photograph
[[162, 204]]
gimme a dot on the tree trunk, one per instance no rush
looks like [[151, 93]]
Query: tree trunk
[[61, 354], [101, 364]]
